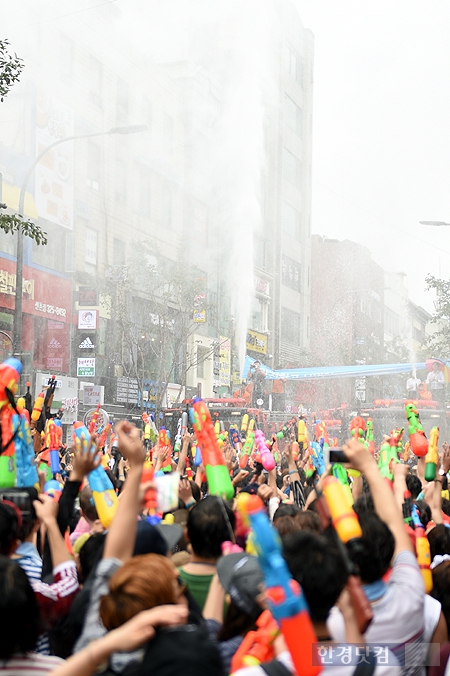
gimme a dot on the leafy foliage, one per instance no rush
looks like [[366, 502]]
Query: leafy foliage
[[439, 342], [12, 223], [10, 69]]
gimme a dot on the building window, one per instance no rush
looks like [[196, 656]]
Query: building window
[[122, 101], [290, 221], [95, 75], [66, 51], [144, 194], [290, 273], [93, 168], [292, 168], [290, 326], [90, 255], [119, 248], [293, 115], [121, 182], [293, 64]]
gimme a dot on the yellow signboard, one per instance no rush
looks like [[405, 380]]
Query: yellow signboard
[[256, 342]]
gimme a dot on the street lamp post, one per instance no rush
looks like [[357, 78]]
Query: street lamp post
[[17, 326], [436, 223]]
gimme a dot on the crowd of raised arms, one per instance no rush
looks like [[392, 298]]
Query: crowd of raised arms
[[220, 551]]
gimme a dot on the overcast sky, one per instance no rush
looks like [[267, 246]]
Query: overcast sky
[[381, 144]]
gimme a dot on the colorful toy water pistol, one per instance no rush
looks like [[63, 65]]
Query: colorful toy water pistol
[[54, 444], [422, 550], [103, 493], [286, 429], [188, 467], [320, 432], [357, 428], [370, 437], [417, 438], [267, 459], [10, 372], [295, 446], [37, 408], [340, 473], [53, 488], [164, 443], [217, 475], [196, 453], [151, 495], [93, 423], [406, 508], [345, 522], [244, 422], [184, 423], [302, 434], [432, 456], [177, 444], [317, 458], [388, 456], [257, 645], [247, 449], [104, 435], [284, 595]]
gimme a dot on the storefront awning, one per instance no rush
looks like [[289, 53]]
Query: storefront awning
[[10, 196]]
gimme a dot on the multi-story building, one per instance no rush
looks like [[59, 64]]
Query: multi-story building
[[179, 190]]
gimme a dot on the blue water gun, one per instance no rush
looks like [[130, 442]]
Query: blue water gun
[[317, 458]]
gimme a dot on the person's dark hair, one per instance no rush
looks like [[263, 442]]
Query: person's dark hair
[[446, 506], [29, 523], [414, 485], [91, 553], [425, 512], [311, 480], [286, 525], [319, 568], [285, 510], [309, 520], [9, 529], [441, 588], [195, 488], [86, 504], [439, 539], [236, 623], [19, 610], [378, 544], [210, 522], [364, 504]]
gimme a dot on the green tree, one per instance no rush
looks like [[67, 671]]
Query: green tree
[[438, 344], [11, 67]]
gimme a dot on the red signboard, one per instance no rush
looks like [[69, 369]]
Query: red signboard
[[44, 295]]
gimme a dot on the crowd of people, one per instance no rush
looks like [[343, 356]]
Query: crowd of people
[[187, 594]]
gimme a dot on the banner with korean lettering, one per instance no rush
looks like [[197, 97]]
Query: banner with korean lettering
[[44, 295]]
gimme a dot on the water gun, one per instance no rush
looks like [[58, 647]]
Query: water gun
[[432, 456], [406, 508], [53, 488], [27, 474], [302, 434], [286, 429], [370, 437], [320, 432], [184, 423], [151, 495], [339, 472], [236, 439], [244, 423], [417, 438], [103, 493], [37, 408], [317, 458], [388, 456], [196, 453], [257, 645], [295, 446], [104, 435], [48, 400], [357, 428], [344, 519], [247, 449], [284, 595], [10, 372], [217, 476], [267, 459], [93, 423], [54, 433], [422, 550], [164, 443]]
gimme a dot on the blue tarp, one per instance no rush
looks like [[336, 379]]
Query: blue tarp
[[325, 372]]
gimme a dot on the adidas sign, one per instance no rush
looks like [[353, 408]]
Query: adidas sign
[[54, 344], [86, 344]]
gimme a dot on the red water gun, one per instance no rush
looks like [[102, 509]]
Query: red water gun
[[93, 423], [257, 645], [357, 428]]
